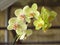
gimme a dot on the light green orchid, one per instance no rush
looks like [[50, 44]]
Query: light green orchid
[[24, 34], [20, 27], [26, 13], [21, 14], [15, 24], [11, 22], [31, 11], [52, 16], [35, 12], [38, 23], [47, 16], [46, 27]]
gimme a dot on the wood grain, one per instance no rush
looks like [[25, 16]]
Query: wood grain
[[40, 36], [37, 44], [2, 18]]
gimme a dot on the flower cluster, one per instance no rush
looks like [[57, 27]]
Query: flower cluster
[[42, 20]]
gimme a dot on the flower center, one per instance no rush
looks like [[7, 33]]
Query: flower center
[[22, 16], [15, 26], [39, 25], [31, 15]]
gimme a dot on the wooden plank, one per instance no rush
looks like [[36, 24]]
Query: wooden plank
[[2, 19], [40, 36], [2, 35], [28, 44], [39, 2], [30, 2], [52, 2], [11, 38], [37, 44]]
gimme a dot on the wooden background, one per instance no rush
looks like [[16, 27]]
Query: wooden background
[[52, 35]]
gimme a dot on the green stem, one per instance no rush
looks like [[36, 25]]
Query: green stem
[[15, 40]]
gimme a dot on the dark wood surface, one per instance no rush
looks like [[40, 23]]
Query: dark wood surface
[[52, 36]]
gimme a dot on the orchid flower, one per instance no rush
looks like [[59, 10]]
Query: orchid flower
[[21, 30], [31, 12], [24, 35], [47, 17], [38, 23], [20, 14], [15, 24], [41, 20], [26, 13]]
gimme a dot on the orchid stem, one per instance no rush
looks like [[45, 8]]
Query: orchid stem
[[14, 40]]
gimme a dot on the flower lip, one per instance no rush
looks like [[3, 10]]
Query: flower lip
[[32, 14], [39, 25], [22, 16], [15, 26]]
